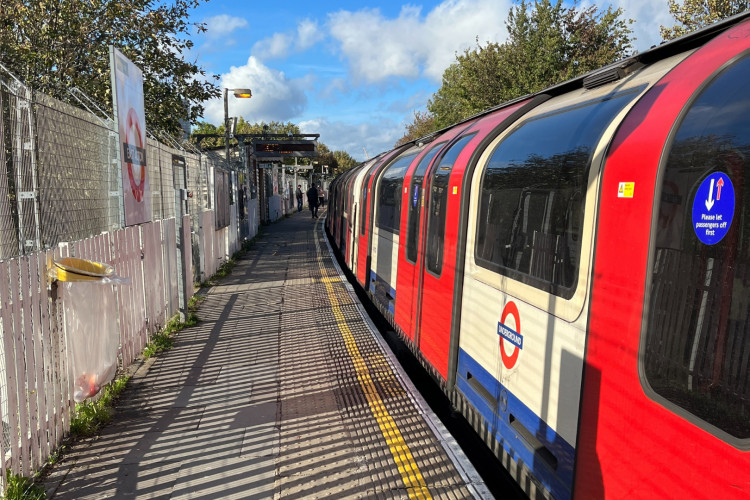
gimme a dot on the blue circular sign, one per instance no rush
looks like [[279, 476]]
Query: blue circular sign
[[713, 208]]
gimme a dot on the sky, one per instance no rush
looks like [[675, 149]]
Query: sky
[[355, 72]]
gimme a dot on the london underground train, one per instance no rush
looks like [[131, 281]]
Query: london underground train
[[573, 268]]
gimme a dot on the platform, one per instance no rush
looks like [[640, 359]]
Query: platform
[[284, 390]]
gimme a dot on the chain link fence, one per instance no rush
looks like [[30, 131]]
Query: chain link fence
[[62, 177]]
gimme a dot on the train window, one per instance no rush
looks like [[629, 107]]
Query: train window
[[389, 196], [416, 199], [695, 349], [437, 203], [533, 195]]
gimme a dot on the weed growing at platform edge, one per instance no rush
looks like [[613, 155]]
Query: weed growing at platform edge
[[90, 415], [20, 487], [163, 339], [226, 268]]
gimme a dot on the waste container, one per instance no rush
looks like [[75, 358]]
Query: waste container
[[89, 302]]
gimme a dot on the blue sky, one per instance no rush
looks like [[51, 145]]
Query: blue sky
[[354, 72]]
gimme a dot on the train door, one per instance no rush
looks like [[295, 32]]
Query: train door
[[356, 207], [437, 273], [407, 278], [351, 208], [386, 230], [364, 233], [668, 355]]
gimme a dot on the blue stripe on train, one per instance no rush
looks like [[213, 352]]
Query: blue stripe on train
[[498, 407], [377, 287]]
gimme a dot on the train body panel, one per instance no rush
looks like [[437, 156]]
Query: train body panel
[[410, 248], [364, 232], [355, 204], [387, 228], [526, 286], [583, 298], [673, 295]]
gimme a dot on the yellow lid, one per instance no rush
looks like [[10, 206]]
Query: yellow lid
[[83, 267]]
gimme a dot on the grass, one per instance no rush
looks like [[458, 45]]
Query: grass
[[90, 415], [20, 487]]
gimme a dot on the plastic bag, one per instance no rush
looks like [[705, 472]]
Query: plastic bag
[[93, 337]]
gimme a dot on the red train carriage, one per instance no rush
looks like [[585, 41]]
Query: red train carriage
[[574, 269]]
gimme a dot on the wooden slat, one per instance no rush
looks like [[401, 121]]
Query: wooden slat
[[23, 409], [42, 305], [64, 384], [40, 440], [123, 295], [10, 369], [170, 268], [140, 291]]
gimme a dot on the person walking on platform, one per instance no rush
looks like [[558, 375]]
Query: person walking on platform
[[299, 197], [321, 196], [312, 200]]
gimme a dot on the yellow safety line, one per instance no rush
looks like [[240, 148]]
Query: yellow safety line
[[412, 477]]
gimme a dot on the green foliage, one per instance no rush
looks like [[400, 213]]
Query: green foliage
[[547, 43], [160, 342], [344, 161], [163, 340], [694, 14], [22, 488], [90, 415], [54, 46], [423, 124]]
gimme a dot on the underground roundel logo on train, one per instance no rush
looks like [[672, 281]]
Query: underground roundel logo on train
[[509, 331]]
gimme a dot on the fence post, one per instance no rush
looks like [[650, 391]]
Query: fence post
[[26, 188]]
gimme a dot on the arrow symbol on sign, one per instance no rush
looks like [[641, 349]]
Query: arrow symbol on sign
[[718, 191], [710, 200]]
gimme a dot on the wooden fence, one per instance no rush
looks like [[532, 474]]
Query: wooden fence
[[35, 380]]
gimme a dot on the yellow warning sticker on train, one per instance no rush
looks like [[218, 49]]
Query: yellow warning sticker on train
[[455, 189], [625, 190]]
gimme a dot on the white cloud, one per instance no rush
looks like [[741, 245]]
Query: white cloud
[[280, 45], [413, 45], [275, 97], [308, 34], [222, 25], [277, 45], [375, 137]]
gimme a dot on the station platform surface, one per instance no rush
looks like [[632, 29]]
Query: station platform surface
[[283, 390]]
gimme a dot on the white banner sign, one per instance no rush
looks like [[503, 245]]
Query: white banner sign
[[127, 95]]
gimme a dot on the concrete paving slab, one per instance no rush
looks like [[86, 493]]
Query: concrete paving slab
[[282, 391]]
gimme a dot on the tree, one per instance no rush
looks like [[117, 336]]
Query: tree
[[54, 46], [694, 14], [423, 124], [547, 43], [344, 161]]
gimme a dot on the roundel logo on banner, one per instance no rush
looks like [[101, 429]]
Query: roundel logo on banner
[[510, 336]]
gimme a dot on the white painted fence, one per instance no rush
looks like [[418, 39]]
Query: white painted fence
[[35, 378]]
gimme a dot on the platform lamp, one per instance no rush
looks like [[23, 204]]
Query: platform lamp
[[240, 94]]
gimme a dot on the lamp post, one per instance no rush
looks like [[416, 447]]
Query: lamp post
[[240, 94]]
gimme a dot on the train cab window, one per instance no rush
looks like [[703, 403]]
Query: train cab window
[[533, 195], [390, 195], [416, 200], [695, 349], [437, 204]]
